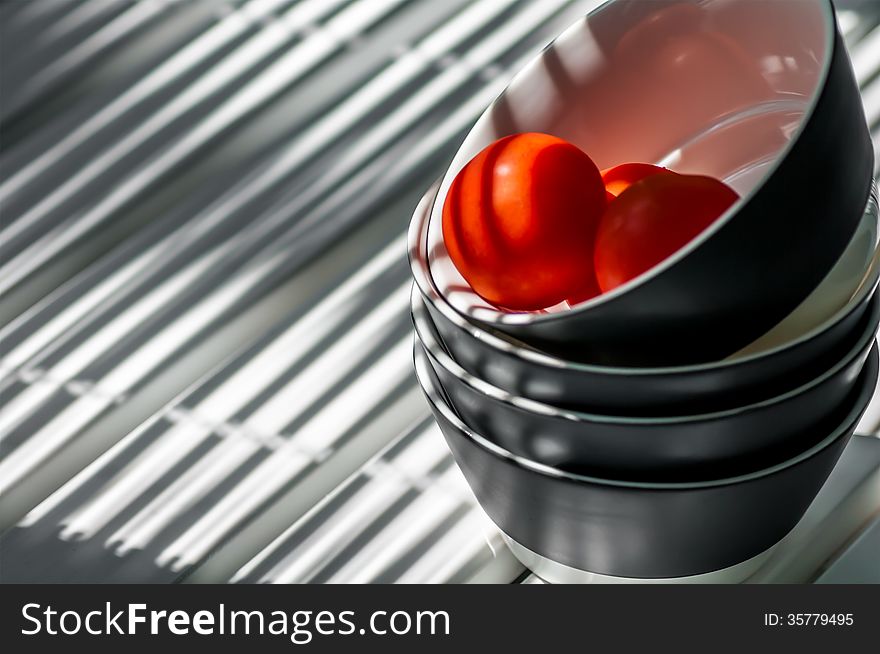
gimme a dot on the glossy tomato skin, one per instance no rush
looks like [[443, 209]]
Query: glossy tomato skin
[[619, 178], [520, 219], [592, 290], [653, 219]]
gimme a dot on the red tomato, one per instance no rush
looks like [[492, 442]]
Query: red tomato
[[583, 296], [520, 220], [652, 219], [618, 178]]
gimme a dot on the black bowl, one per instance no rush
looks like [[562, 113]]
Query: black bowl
[[760, 94], [642, 530], [690, 447], [632, 391]]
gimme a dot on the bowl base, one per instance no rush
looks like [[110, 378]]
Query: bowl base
[[554, 572]]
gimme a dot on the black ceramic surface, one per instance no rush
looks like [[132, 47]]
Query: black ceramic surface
[[684, 448], [642, 530], [728, 286], [628, 391]]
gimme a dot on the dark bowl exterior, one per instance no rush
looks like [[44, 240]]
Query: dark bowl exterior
[[731, 288], [681, 448], [648, 531]]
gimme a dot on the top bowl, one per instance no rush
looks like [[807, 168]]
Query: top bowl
[[759, 93]]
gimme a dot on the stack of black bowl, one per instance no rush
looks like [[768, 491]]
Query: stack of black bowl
[[679, 426]]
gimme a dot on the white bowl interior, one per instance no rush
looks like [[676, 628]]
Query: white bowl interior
[[712, 87]]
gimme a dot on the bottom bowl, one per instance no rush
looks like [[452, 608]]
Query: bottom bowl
[[641, 530]]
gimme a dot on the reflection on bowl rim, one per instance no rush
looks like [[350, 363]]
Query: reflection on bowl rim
[[525, 318], [417, 250], [435, 351], [438, 403]]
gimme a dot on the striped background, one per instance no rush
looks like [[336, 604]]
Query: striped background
[[205, 365]]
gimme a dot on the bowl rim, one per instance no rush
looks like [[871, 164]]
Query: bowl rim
[[847, 426], [416, 253], [436, 353], [493, 317]]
